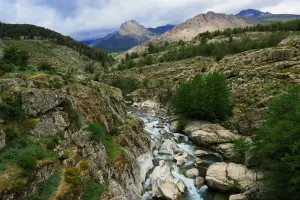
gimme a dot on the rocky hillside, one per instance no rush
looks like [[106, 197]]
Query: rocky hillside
[[62, 134], [254, 76], [130, 34], [209, 21]]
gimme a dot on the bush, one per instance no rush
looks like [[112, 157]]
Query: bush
[[93, 190], [182, 121], [15, 56], [72, 175], [240, 146], [127, 85], [89, 68], [27, 161], [45, 67], [205, 98], [73, 115], [277, 145], [97, 130]]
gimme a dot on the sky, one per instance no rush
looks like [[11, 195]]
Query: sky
[[90, 19]]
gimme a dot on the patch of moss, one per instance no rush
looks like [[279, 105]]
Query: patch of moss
[[84, 165]]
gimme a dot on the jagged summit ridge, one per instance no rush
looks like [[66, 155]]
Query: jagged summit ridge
[[132, 27], [209, 21]]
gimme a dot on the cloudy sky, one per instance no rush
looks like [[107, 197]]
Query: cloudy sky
[[88, 19]]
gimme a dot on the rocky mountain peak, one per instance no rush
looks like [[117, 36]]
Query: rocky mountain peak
[[209, 21], [132, 27]]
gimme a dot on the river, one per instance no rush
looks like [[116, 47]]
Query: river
[[158, 130]]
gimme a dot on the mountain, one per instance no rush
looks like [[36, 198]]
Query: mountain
[[130, 34], [257, 16], [203, 22], [161, 29], [252, 13]]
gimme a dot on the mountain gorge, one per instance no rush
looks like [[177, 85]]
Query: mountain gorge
[[206, 110]]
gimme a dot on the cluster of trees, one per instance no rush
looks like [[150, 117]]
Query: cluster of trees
[[221, 49], [27, 31], [293, 25], [205, 98], [278, 146], [217, 50]]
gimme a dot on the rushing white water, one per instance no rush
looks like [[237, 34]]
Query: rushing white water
[[150, 127]]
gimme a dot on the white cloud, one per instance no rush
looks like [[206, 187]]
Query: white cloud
[[76, 17]]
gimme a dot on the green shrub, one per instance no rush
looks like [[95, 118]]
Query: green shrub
[[127, 85], [112, 149], [16, 56], [72, 175], [240, 146], [51, 144], [182, 122], [90, 68], [277, 145], [205, 98], [27, 161], [97, 131], [73, 115], [12, 108], [11, 133], [93, 190], [44, 66]]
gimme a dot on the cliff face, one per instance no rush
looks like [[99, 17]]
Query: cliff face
[[68, 110]]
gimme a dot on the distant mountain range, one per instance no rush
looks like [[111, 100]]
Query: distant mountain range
[[130, 34], [257, 16]]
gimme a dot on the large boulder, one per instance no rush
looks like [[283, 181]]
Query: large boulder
[[168, 147], [182, 158], [225, 149], [38, 101], [238, 197], [230, 177], [192, 173], [206, 133], [164, 185], [50, 124]]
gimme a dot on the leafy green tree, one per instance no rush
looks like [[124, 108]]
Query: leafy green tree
[[278, 146], [205, 98]]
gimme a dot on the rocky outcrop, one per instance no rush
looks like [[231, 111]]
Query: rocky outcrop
[[38, 101], [230, 177], [43, 172], [50, 124], [206, 134], [209, 21], [163, 183]]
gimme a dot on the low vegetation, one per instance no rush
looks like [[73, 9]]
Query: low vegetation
[[126, 84], [47, 188], [26, 31], [96, 130], [158, 53], [278, 147], [93, 190], [205, 98]]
